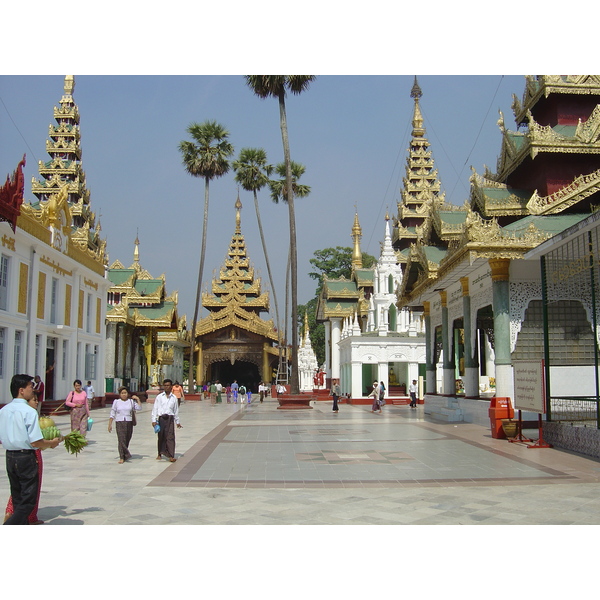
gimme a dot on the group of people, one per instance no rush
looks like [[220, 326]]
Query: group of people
[[234, 392]]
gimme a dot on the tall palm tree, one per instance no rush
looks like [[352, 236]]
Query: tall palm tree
[[299, 190], [206, 156], [276, 86], [252, 172]]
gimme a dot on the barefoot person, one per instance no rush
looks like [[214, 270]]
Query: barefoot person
[[165, 413], [122, 412]]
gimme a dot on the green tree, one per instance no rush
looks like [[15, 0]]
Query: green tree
[[206, 156], [276, 86], [330, 263]]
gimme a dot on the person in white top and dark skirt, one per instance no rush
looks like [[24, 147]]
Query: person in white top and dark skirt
[[123, 413], [165, 413]]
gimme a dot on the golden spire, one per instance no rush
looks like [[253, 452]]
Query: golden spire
[[356, 235], [417, 122], [136, 251], [69, 87], [238, 216], [305, 326]]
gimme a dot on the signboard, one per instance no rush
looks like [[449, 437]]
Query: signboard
[[529, 386]]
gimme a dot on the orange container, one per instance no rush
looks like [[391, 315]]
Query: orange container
[[500, 408]]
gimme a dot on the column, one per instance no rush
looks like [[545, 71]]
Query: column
[[111, 333], [335, 349], [471, 376], [328, 350], [448, 384], [429, 353], [500, 292]]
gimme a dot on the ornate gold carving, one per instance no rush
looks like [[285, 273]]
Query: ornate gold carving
[[68, 293], [55, 266], [98, 315], [41, 295], [581, 187], [23, 288], [500, 268], [8, 242], [80, 310]]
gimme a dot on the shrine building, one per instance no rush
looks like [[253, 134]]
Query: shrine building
[[52, 268]]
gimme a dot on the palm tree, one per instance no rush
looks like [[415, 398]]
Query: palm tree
[[278, 188], [206, 156], [252, 172], [265, 86]]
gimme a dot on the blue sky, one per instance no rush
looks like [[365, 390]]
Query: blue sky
[[350, 132]]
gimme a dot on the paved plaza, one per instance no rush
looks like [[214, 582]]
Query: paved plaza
[[257, 465]]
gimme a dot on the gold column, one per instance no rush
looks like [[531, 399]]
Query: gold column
[[23, 288], [41, 295], [68, 291]]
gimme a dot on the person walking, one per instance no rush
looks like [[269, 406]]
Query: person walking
[[242, 394], [412, 390], [178, 391], [21, 436], [122, 413], [77, 400], [219, 387], [10, 509], [335, 392], [381, 395], [90, 393], [375, 393], [234, 390], [165, 414]]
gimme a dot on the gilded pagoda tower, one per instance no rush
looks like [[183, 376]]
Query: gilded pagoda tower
[[233, 341], [64, 171], [421, 191]]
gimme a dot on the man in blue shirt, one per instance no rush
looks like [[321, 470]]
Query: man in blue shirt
[[20, 435]]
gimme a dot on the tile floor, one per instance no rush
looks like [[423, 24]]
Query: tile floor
[[259, 465]]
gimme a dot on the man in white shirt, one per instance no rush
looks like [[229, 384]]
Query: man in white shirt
[[412, 390], [90, 393], [165, 413]]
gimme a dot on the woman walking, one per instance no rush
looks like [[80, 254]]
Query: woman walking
[[77, 400], [335, 392], [122, 413], [375, 393]]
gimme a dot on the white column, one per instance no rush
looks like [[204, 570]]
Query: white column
[[335, 349], [327, 349]]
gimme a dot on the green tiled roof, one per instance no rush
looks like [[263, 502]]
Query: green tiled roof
[[435, 254], [119, 276], [147, 287], [334, 286], [552, 224], [453, 217], [158, 311]]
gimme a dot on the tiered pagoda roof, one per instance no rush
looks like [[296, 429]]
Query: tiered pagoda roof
[[140, 300], [62, 215], [236, 297], [548, 179]]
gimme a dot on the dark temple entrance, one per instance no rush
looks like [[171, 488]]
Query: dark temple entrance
[[246, 373]]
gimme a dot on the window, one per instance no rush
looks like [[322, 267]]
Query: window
[[2, 338], [88, 325], [65, 348], [53, 300], [90, 362], [38, 341], [4, 262], [18, 349]]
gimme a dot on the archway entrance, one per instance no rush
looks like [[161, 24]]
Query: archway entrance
[[246, 373]]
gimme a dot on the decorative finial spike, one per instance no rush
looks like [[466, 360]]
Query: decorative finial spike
[[416, 90]]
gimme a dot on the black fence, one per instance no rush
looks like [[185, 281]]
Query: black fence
[[582, 411]]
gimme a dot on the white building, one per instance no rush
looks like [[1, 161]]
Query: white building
[[52, 271]]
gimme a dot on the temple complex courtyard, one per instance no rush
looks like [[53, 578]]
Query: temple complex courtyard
[[258, 465]]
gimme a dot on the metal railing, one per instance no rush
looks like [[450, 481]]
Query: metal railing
[[577, 410]]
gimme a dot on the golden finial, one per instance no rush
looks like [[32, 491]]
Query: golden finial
[[136, 251], [238, 216], [356, 235], [69, 87], [417, 122]]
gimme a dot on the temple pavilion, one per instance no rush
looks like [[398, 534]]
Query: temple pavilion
[[233, 342], [466, 267], [146, 339], [52, 267]]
